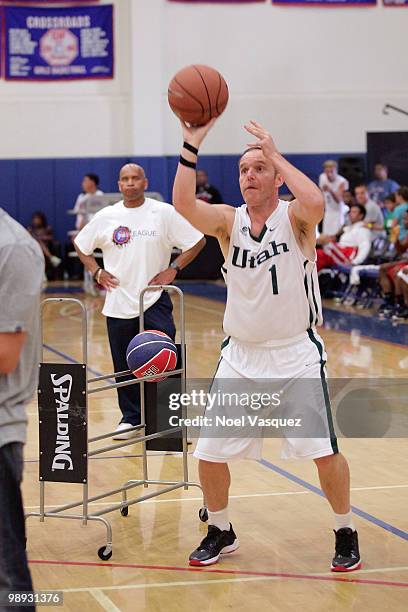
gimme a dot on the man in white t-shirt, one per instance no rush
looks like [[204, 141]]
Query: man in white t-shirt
[[90, 184], [136, 237], [333, 186], [354, 244]]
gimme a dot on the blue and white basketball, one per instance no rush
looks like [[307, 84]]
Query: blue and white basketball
[[151, 352]]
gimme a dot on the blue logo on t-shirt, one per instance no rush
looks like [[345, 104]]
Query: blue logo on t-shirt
[[121, 235]]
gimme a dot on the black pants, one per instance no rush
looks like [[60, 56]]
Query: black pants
[[120, 333], [14, 572]]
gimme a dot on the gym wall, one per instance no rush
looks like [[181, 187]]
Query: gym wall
[[318, 77]]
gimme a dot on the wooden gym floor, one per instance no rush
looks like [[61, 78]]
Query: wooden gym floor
[[284, 525]]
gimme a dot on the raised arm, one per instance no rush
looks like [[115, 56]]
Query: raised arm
[[308, 206], [210, 219]]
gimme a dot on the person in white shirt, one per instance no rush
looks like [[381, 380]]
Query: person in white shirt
[[374, 219], [136, 237], [273, 306], [333, 186], [90, 184], [354, 244]]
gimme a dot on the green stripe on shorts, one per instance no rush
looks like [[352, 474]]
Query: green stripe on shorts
[[333, 438]]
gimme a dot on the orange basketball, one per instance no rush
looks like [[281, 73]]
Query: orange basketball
[[197, 94]]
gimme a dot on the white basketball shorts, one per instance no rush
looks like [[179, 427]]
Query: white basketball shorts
[[301, 358]]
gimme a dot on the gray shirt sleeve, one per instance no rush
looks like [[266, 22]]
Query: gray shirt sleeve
[[21, 276]]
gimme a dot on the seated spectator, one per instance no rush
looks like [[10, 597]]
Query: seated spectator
[[401, 285], [392, 291], [333, 186], [382, 186], [374, 219], [352, 248], [389, 212], [43, 233], [401, 198], [90, 184], [205, 191], [348, 199]]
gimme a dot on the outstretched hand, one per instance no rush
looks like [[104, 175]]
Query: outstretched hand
[[196, 134], [264, 139]]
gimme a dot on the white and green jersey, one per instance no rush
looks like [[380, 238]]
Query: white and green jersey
[[273, 290]]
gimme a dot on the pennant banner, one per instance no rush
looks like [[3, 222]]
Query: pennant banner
[[34, 2], [1, 41], [217, 1], [395, 2], [325, 2], [58, 43]]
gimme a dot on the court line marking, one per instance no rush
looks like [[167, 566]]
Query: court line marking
[[381, 340], [102, 599], [206, 309], [337, 331], [249, 575], [361, 513], [231, 580], [150, 454], [249, 495], [183, 499], [72, 360]]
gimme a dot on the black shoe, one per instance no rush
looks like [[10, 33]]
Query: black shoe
[[385, 310], [215, 543], [347, 557], [400, 313]]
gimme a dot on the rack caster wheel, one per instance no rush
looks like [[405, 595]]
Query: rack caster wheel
[[203, 514], [124, 511], [102, 554]]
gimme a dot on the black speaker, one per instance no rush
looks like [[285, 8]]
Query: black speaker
[[353, 169], [391, 149]]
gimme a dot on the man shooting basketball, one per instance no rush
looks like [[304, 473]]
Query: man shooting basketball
[[270, 316]]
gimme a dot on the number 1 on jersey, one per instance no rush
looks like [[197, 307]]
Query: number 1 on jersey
[[274, 277]]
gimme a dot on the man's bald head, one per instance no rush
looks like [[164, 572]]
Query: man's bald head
[[133, 169], [132, 183]]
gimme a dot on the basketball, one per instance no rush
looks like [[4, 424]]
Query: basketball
[[151, 352], [197, 94]]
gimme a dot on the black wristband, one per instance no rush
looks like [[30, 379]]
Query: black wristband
[[95, 273], [189, 147], [184, 162], [175, 267]]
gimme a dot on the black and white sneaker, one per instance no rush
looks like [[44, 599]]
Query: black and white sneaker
[[215, 543], [347, 557], [385, 310], [400, 313]]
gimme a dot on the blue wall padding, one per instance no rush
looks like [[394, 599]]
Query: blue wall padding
[[52, 185]]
